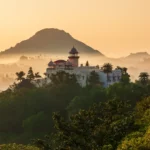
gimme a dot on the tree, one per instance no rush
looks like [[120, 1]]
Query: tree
[[139, 139], [143, 77], [136, 141], [36, 123], [26, 83], [30, 74], [89, 95], [124, 70], [15, 146], [20, 76], [93, 78], [62, 77], [141, 110], [100, 127], [119, 68], [87, 64], [37, 75], [125, 78], [107, 68]]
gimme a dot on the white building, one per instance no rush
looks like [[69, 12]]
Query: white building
[[82, 72]]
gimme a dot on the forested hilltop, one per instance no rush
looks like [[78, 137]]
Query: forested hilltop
[[65, 116]]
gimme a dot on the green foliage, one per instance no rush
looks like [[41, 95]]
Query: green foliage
[[106, 124], [125, 78], [143, 112], [107, 147], [123, 69], [37, 75], [27, 112], [62, 77], [89, 96], [97, 128], [107, 68], [136, 141], [91, 118], [26, 83], [35, 123], [20, 76], [143, 78], [93, 78], [30, 74], [129, 92], [139, 140], [17, 147]]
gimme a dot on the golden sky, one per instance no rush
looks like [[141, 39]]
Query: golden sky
[[115, 27]]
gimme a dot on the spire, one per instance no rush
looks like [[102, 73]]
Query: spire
[[51, 63], [73, 51]]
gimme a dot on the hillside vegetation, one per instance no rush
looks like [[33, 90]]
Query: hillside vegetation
[[64, 116]]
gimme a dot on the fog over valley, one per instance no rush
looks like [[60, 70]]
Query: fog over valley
[[53, 44], [135, 63]]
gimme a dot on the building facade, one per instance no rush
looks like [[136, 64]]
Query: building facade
[[82, 73]]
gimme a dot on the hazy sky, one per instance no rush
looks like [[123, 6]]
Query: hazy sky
[[115, 27]]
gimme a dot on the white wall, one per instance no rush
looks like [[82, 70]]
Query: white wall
[[83, 72]]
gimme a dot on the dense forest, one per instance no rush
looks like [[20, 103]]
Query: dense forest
[[63, 115]]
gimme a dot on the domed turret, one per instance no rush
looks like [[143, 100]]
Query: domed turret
[[73, 57], [73, 51], [51, 64]]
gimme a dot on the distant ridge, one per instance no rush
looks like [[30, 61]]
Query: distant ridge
[[50, 41], [138, 55]]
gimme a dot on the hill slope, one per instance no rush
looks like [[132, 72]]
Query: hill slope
[[138, 56], [50, 41]]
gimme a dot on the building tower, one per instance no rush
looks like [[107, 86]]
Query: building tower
[[73, 57]]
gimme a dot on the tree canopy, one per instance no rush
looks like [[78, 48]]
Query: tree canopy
[[74, 117]]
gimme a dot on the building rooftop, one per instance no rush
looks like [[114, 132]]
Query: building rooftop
[[73, 51], [60, 61], [51, 63]]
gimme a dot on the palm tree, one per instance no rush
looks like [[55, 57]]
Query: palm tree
[[124, 70], [20, 76], [120, 68], [143, 77], [107, 68], [37, 76]]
